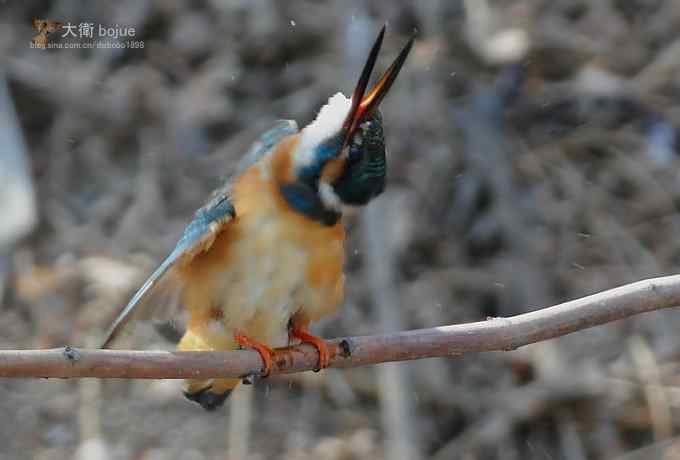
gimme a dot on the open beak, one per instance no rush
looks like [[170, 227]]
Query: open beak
[[364, 105]]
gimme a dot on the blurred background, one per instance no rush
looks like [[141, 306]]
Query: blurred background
[[533, 158]]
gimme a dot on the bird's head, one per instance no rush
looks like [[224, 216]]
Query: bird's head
[[340, 157]]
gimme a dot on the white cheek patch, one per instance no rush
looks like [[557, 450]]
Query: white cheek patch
[[330, 199], [327, 123]]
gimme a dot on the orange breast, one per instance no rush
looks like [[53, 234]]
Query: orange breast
[[323, 246], [269, 263]]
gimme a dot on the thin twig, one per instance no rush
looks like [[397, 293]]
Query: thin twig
[[654, 392], [516, 406], [495, 334], [240, 423], [396, 411]]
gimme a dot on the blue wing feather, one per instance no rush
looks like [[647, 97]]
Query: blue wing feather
[[208, 221]]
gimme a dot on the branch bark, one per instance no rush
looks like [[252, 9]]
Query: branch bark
[[495, 334]]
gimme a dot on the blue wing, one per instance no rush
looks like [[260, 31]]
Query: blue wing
[[200, 234]]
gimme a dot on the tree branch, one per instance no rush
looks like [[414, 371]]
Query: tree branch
[[495, 334]]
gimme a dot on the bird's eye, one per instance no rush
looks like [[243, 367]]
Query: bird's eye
[[358, 138]]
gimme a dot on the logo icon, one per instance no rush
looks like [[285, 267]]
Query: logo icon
[[44, 28]]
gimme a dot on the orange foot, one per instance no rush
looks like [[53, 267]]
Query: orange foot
[[264, 351], [302, 333]]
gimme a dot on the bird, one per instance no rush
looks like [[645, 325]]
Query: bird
[[44, 28], [263, 259]]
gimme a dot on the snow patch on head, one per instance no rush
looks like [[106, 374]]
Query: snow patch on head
[[327, 123]]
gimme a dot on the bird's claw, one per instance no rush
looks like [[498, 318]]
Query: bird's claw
[[319, 343], [264, 351]]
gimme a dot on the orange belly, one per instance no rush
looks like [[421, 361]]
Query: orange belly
[[267, 266]]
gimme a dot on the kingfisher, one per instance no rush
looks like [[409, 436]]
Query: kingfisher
[[263, 259]]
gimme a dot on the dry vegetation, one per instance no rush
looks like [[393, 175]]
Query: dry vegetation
[[533, 158]]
